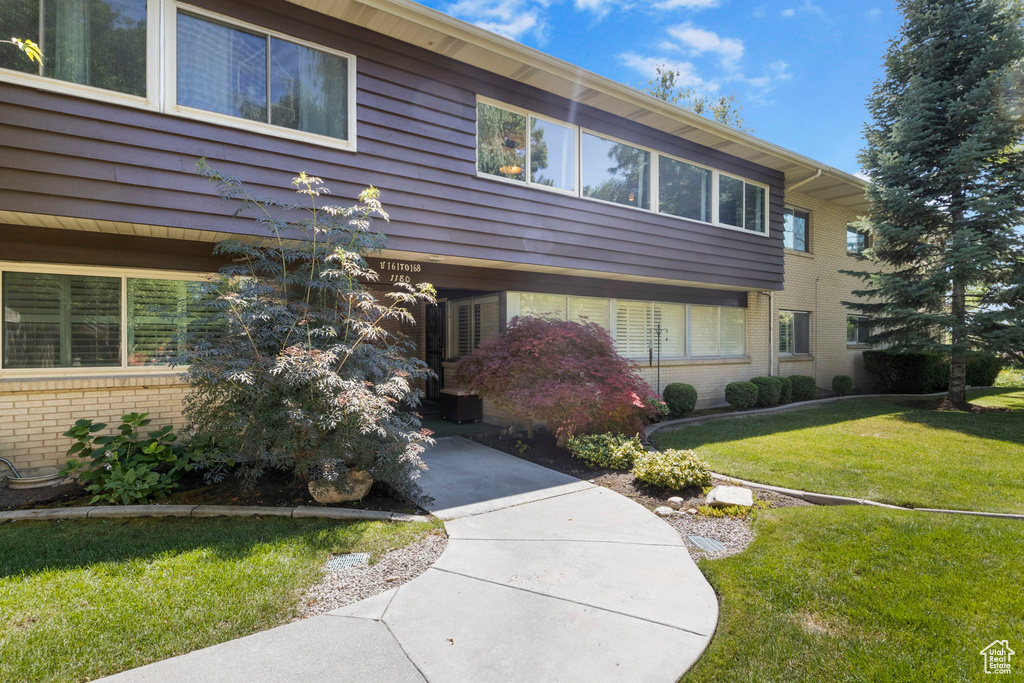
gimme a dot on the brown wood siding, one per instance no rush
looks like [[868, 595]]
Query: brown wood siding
[[416, 138]]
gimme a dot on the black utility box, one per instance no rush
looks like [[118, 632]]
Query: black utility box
[[459, 405]]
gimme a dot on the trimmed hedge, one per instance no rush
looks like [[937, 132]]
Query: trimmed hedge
[[769, 391], [787, 390], [983, 368], [804, 388], [842, 385], [613, 451], [681, 398], [926, 372], [741, 395], [672, 469]]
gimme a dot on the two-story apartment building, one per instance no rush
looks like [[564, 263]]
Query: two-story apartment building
[[517, 184]]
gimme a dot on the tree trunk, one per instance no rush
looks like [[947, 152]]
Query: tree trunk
[[956, 398]]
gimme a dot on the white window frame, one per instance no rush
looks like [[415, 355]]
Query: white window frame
[[170, 80], [527, 169], [807, 236], [161, 78], [860, 319], [794, 353], [94, 271], [654, 172], [514, 308], [150, 101]]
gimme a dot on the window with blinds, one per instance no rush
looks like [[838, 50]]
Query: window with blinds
[[159, 312], [633, 329], [61, 321], [53, 320], [794, 332], [733, 332], [589, 310], [669, 329], [473, 321], [542, 305], [704, 331]]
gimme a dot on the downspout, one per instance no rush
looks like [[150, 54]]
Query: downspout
[[804, 181]]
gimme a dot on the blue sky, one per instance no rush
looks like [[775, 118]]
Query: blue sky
[[801, 68]]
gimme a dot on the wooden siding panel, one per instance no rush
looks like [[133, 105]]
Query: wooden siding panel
[[416, 143]]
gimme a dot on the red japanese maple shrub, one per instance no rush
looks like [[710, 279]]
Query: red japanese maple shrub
[[565, 374]]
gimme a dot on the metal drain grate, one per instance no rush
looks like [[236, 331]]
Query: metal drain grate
[[342, 562], [708, 545]]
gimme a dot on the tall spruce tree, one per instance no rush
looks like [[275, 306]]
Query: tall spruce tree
[[946, 166]]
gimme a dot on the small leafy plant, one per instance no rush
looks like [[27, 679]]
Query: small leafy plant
[[842, 385], [612, 451], [127, 467], [741, 395], [681, 398], [671, 469]]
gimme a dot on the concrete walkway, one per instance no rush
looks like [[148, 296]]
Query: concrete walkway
[[545, 578]]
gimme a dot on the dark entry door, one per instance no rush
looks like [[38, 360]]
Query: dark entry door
[[436, 334]]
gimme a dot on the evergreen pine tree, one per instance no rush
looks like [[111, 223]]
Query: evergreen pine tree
[[946, 164]]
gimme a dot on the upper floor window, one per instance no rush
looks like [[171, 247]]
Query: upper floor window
[[546, 156], [856, 240], [794, 332], [684, 189], [616, 172], [795, 229], [858, 329], [741, 204], [98, 43], [517, 145], [246, 73]]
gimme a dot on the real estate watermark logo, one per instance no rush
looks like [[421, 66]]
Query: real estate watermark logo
[[997, 657]]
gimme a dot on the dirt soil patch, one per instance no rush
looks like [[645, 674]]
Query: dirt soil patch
[[273, 489]]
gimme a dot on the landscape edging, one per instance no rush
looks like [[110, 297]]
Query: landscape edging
[[204, 511]]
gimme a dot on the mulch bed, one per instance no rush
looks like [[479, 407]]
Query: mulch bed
[[274, 489]]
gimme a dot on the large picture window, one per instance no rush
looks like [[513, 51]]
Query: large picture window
[[643, 328], [53, 320], [99, 43], [741, 204], [254, 75], [616, 172]]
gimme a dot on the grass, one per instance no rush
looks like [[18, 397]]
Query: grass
[[824, 594], [904, 454], [82, 599]]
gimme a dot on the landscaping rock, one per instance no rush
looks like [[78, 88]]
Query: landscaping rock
[[691, 511], [729, 496], [664, 511], [675, 502]]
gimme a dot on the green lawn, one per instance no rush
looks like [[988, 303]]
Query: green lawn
[[863, 594], [81, 599], [903, 454]]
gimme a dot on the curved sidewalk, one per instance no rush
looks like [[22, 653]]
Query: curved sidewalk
[[545, 578]]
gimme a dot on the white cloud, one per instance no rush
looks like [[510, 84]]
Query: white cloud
[[808, 7], [515, 19], [686, 4], [698, 41], [874, 13], [688, 77]]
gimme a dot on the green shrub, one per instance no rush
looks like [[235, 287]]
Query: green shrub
[[657, 409], [804, 388], [769, 391], [908, 373], [983, 368], [671, 469], [741, 395], [842, 385], [613, 451], [787, 390], [126, 467], [1010, 377], [681, 398]]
